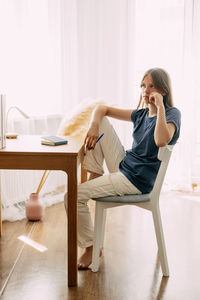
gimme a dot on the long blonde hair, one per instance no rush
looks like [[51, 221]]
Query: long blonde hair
[[162, 83]]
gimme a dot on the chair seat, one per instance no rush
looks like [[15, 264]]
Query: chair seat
[[125, 198]]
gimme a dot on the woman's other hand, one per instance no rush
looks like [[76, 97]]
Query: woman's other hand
[[156, 99], [91, 136]]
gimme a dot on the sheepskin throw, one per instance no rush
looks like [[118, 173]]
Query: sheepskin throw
[[77, 122]]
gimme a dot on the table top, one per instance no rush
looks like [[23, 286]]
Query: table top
[[31, 144]]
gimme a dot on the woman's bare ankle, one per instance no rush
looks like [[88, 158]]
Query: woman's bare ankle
[[86, 258]]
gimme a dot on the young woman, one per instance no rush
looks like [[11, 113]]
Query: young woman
[[133, 171]]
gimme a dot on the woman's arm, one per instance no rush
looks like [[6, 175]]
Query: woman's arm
[[99, 112], [163, 131]]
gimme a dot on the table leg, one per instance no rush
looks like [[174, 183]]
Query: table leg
[[0, 210], [0, 219], [72, 224]]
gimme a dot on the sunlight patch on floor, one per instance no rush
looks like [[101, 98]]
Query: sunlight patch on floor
[[32, 243]]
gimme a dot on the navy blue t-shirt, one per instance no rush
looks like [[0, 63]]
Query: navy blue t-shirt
[[141, 164]]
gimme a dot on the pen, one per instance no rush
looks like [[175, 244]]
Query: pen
[[98, 139]]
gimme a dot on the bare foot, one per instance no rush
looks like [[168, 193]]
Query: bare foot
[[86, 258]]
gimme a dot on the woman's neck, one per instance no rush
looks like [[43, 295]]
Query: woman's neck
[[152, 110]]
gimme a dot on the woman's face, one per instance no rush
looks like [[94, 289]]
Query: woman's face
[[147, 88]]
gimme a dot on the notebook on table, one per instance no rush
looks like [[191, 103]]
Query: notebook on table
[[52, 140]]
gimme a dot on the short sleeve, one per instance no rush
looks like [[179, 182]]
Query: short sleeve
[[133, 115], [173, 115], [137, 113]]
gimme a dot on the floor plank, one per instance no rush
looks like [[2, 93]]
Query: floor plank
[[10, 247], [40, 273], [130, 267]]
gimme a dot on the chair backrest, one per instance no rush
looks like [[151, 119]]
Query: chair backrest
[[164, 154]]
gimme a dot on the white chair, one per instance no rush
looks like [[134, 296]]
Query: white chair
[[147, 201]]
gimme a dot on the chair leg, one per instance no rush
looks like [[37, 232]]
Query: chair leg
[[103, 228], [160, 241], [98, 229]]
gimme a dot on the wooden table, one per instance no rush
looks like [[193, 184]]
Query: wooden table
[[27, 153]]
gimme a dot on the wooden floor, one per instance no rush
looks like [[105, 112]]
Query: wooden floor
[[130, 267]]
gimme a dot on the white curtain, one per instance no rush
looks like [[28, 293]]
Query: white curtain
[[115, 42], [30, 60], [191, 89], [54, 54]]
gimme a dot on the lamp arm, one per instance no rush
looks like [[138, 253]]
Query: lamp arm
[[19, 110]]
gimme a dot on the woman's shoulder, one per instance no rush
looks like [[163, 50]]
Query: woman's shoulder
[[173, 110], [137, 113]]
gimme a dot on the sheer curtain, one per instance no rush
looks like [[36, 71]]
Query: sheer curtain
[[192, 88], [116, 41], [30, 60], [54, 54]]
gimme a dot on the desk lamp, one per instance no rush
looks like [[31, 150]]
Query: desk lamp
[[14, 135]]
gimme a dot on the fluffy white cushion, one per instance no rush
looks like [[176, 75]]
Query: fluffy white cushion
[[77, 122]]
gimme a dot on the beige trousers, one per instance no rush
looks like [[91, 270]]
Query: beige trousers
[[115, 183]]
